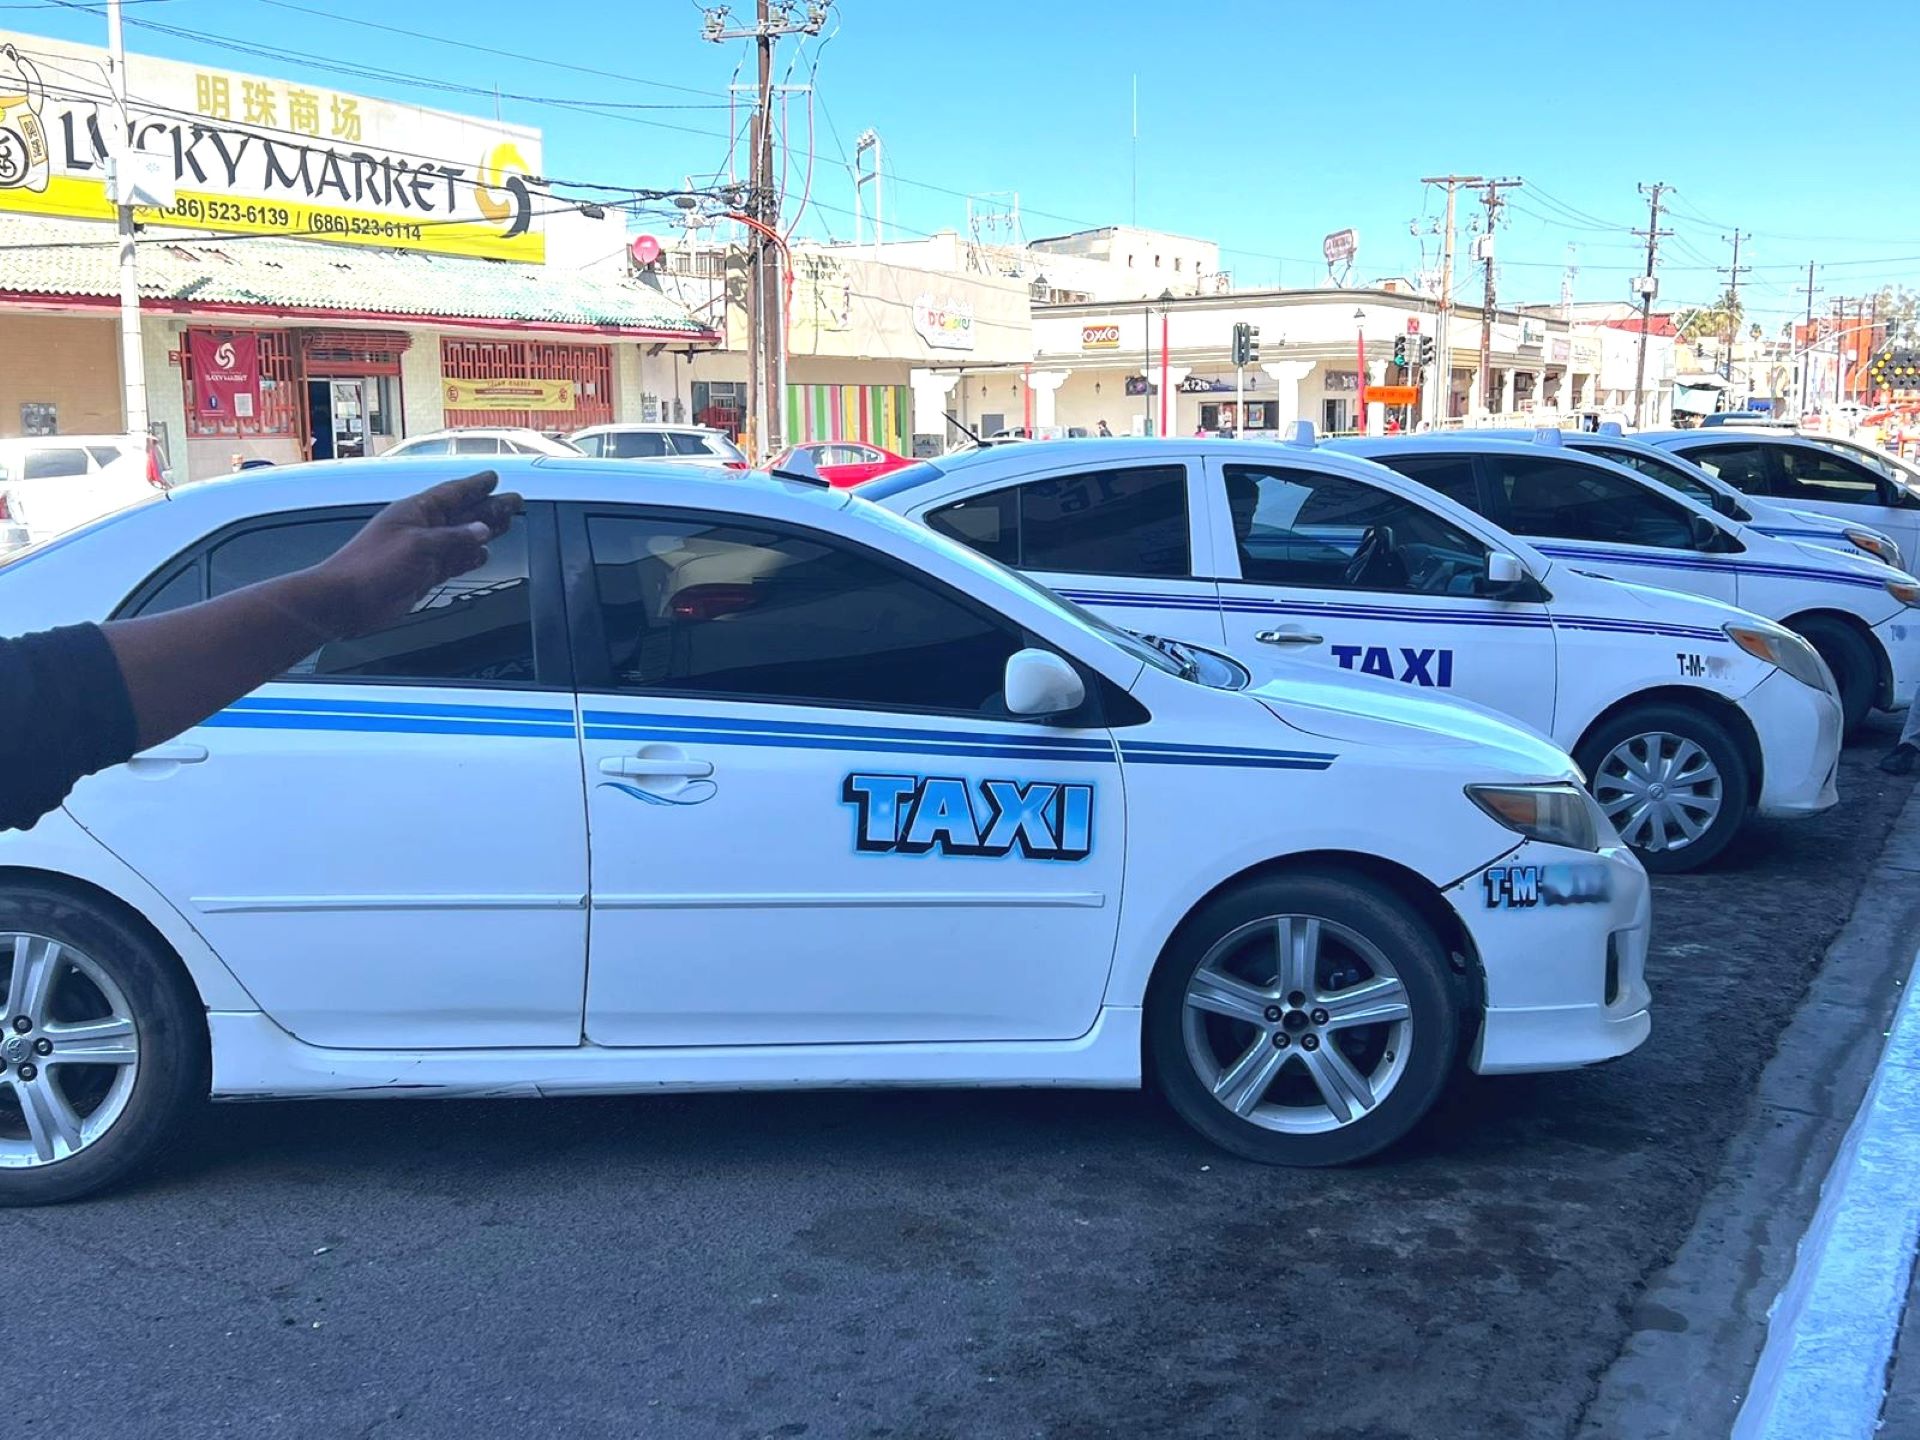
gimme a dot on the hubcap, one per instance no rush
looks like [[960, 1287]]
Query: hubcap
[[1339, 1043], [1660, 790], [72, 1051]]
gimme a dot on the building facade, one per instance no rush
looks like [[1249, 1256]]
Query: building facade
[[320, 274]]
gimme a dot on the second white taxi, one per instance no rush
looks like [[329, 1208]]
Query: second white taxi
[[1687, 716], [755, 786]]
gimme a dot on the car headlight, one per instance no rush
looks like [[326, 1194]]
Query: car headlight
[[1904, 591], [1785, 649], [1877, 546], [1557, 814]]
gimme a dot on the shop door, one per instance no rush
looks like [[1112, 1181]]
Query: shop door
[[349, 419]]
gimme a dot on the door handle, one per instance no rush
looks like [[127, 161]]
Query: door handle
[[649, 767], [174, 754], [1289, 636]]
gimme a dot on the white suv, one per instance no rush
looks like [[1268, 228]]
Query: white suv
[[51, 483], [675, 444]]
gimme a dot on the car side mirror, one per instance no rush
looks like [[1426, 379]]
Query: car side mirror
[[1703, 532], [1039, 683]]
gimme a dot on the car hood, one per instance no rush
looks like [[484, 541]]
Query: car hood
[[1363, 710], [1578, 591], [1846, 561]]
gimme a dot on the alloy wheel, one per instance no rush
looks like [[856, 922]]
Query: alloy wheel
[[69, 1051], [1297, 1024]]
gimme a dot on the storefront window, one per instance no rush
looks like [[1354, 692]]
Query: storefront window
[[579, 374], [277, 410], [381, 418], [721, 405]]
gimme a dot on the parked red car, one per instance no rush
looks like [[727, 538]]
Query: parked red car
[[843, 463]]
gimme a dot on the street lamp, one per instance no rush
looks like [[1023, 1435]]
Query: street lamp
[[1166, 298]]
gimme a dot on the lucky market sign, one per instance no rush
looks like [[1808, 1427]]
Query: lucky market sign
[[944, 324], [266, 157]]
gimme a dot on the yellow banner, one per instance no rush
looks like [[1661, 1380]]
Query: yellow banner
[[509, 394], [263, 156]]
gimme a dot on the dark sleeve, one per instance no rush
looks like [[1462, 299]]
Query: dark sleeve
[[64, 713]]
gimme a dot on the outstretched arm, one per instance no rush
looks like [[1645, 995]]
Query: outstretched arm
[[74, 701]]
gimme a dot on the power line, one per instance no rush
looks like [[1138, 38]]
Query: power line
[[487, 49], [610, 110]]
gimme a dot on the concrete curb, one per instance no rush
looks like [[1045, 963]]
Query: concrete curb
[[1701, 1323], [1824, 1368]]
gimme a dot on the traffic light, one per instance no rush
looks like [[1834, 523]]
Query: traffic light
[[1400, 351], [1253, 344], [1426, 349], [1241, 342]]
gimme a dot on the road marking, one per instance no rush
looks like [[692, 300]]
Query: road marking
[[1831, 1331]]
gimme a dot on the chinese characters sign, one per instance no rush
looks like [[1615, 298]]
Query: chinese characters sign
[[262, 156]]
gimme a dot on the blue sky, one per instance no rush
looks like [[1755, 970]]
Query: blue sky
[[1263, 125]]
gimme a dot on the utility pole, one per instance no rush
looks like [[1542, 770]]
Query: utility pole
[[1490, 199], [133, 366], [766, 322], [1648, 286], [1733, 274], [1839, 354], [1806, 352], [1443, 322]]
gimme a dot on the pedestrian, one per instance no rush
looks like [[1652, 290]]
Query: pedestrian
[[83, 697], [1906, 751], [1104, 431]]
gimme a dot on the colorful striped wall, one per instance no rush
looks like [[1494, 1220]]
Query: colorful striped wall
[[879, 414]]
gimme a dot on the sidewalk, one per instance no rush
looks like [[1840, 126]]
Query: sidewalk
[[1723, 1317]]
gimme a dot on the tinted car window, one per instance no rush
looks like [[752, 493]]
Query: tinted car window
[[476, 445], [1451, 475], [587, 444], [1303, 527], [1569, 501], [1808, 473], [104, 455], [1102, 522], [53, 464], [633, 444], [754, 611], [1665, 472], [692, 442], [477, 628], [1742, 466], [438, 446]]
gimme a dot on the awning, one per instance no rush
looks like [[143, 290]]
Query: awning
[[294, 280]]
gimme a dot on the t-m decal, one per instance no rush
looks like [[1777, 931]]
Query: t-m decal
[[1691, 666], [1523, 887], [1416, 667], [915, 814]]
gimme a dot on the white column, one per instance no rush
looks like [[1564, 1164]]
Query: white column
[[1287, 377], [1044, 384], [1476, 402], [1506, 392], [930, 390]]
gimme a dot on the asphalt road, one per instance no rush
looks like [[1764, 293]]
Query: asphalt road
[[923, 1266]]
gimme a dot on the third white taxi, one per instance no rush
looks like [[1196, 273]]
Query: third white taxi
[[756, 785]]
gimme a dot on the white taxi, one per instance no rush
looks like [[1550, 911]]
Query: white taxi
[[1590, 511], [1688, 716], [1680, 475], [1806, 472], [758, 785]]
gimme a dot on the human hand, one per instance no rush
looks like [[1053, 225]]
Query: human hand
[[407, 549]]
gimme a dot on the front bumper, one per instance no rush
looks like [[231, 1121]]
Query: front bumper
[[1900, 638], [1799, 732], [1562, 940]]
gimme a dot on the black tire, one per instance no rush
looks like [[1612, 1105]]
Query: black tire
[[1701, 729], [1851, 659], [169, 1078], [1426, 1043]]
